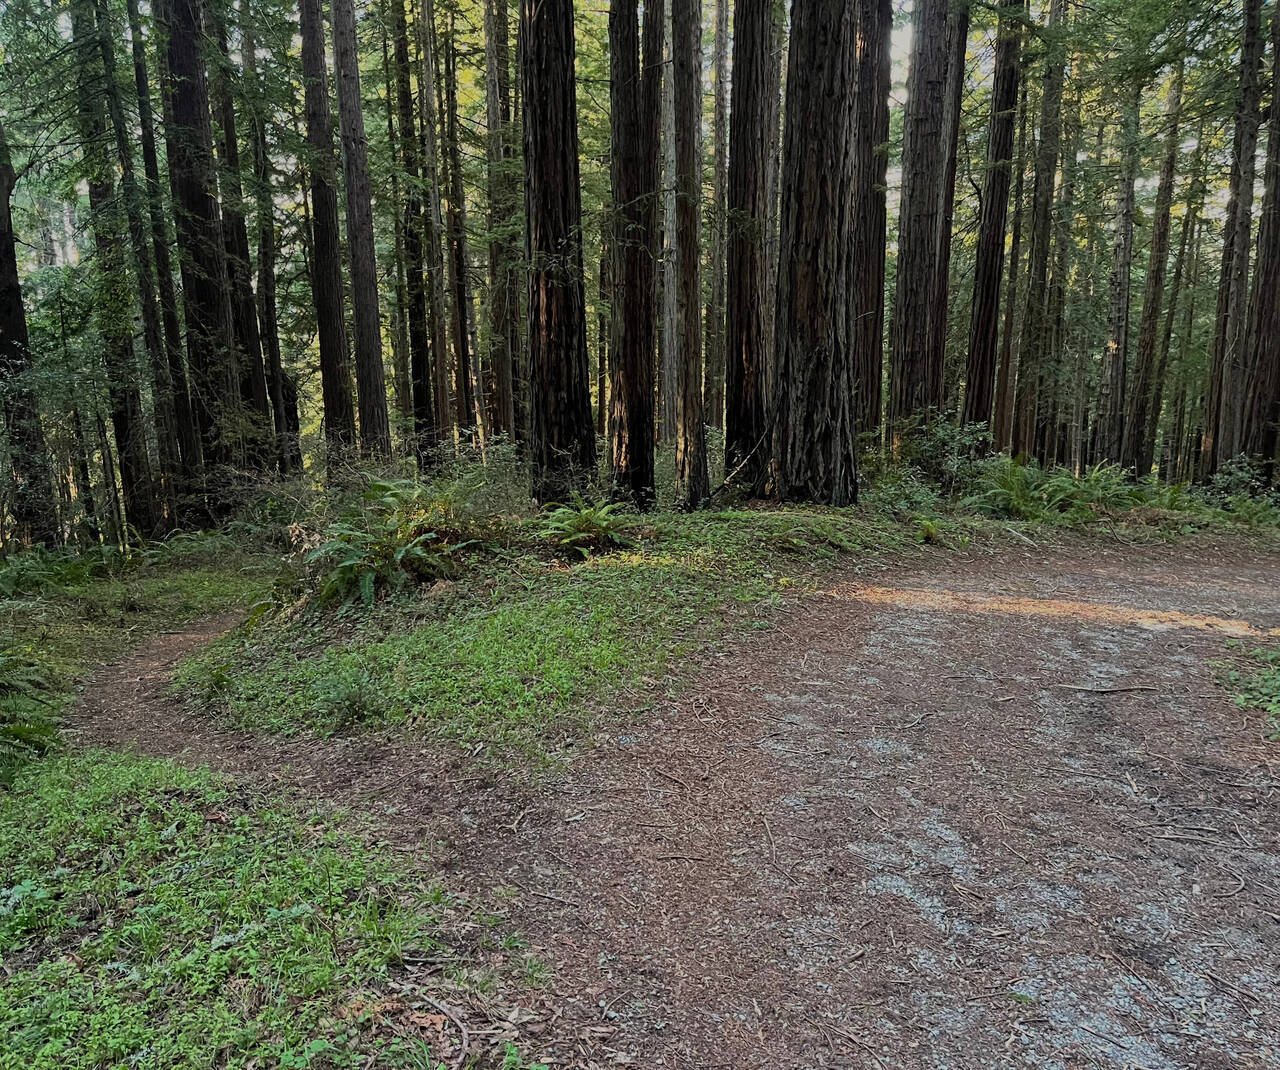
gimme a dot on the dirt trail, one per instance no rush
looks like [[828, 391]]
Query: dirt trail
[[992, 811]]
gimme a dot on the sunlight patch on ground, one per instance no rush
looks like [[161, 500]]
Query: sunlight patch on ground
[[972, 602]]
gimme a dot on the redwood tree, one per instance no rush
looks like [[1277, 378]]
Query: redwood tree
[[562, 444]]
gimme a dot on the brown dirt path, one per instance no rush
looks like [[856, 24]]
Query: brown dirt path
[[990, 811]]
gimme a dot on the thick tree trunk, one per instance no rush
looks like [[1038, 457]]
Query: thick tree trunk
[[33, 507], [562, 442], [870, 170], [456, 237], [399, 317], [371, 386], [1224, 401], [1111, 392], [113, 296], [635, 107], [984, 323], [168, 452], [1262, 364], [814, 444], [504, 298], [669, 347], [1136, 453], [288, 451], [326, 251], [911, 380], [424, 426], [1035, 317], [206, 289], [258, 442], [750, 218], [188, 431], [692, 485], [716, 265]]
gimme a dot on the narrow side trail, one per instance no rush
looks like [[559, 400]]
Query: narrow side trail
[[988, 811]]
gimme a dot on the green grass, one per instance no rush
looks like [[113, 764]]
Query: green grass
[[1255, 684], [526, 650], [153, 917]]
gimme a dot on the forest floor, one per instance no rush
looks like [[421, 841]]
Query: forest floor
[[980, 810]]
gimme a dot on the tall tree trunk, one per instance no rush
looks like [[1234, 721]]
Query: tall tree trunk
[[911, 385], [1035, 317], [750, 218], [562, 440], [635, 109], [288, 451], [870, 170], [33, 507], [1006, 377], [253, 380], [957, 45], [168, 452], [692, 485], [202, 256], [403, 388], [504, 300], [188, 431], [326, 253], [669, 346], [716, 264], [814, 444], [371, 386], [424, 426], [988, 272], [1224, 399], [1111, 393], [433, 231], [113, 296], [456, 236], [1262, 365], [1135, 453]]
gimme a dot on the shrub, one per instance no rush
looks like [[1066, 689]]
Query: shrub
[[587, 527], [1006, 487], [26, 728]]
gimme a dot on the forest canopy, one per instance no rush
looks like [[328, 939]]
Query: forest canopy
[[242, 240]]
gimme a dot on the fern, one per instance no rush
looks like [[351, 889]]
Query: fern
[[27, 729], [587, 527]]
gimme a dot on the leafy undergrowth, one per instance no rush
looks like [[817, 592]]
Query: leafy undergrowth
[[1255, 684], [153, 917], [527, 646]]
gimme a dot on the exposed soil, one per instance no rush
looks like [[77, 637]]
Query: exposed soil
[[987, 811]]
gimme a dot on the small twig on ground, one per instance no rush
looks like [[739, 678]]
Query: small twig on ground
[[461, 1059], [674, 780], [1106, 690], [515, 825]]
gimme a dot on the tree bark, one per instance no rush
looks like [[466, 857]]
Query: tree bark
[[206, 290], [371, 386], [1111, 393], [288, 450], [113, 297], [1006, 377], [911, 378], [750, 218], [562, 443], [988, 272], [1262, 393], [1136, 452], [814, 445], [1224, 402], [326, 252], [168, 452], [188, 431], [424, 426], [692, 485], [871, 162], [34, 512], [258, 443], [504, 298], [716, 265], [456, 238], [1035, 317]]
